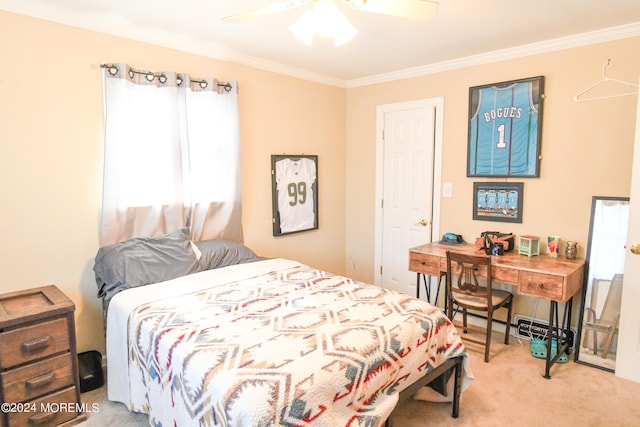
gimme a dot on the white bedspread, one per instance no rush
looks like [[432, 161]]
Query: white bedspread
[[270, 343]]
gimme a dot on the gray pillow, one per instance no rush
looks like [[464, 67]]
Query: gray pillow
[[141, 261], [221, 253]]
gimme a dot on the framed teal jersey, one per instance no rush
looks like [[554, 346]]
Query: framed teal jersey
[[294, 181], [505, 124]]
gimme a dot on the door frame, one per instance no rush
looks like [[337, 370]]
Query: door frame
[[381, 111]]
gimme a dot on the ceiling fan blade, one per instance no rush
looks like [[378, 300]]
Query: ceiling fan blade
[[268, 10], [420, 10]]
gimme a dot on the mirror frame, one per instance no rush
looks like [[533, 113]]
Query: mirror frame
[[585, 285]]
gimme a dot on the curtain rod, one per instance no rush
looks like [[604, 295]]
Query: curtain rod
[[113, 70]]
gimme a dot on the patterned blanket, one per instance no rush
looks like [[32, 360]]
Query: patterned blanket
[[294, 347]]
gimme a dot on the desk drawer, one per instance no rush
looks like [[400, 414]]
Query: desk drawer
[[541, 285], [22, 345], [425, 264], [506, 275]]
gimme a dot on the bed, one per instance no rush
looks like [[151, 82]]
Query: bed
[[239, 340]]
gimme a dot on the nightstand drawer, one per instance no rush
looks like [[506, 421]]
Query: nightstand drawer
[[34, 380], [22, 345], [541, 285], [49, 411]]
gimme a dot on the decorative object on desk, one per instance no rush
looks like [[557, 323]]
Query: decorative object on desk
[[602, 290], [505, 122], [498, 201], [497, 249], [452, 239], [529, 245], [294, 199], [487, 240], [571, 251], [553, 245]]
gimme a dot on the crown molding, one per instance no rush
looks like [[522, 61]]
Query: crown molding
[[215, 51], [159, 38], [577, 40]]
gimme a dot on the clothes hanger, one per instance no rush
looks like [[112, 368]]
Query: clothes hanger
[[580, 96]]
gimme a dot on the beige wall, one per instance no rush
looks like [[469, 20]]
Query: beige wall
[[51, 162], [51, 159], [586, 148]]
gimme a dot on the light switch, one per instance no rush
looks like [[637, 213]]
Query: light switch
[[447, 189]]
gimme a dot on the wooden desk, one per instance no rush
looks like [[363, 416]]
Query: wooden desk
[[556, 280]]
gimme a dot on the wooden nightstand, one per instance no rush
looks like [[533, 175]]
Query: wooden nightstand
[[39, 381]]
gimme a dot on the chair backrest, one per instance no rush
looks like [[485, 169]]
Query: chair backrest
[[471, 273]]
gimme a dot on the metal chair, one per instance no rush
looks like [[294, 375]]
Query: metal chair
[[473, 291]]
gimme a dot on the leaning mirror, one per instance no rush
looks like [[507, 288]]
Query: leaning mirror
[[602, 291]]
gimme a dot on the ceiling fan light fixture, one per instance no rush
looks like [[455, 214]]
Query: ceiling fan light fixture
[[356, 4], [304, 28], [326, 20]]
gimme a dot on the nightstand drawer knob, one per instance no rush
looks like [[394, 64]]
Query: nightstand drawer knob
[[37, 344], [41, 381]]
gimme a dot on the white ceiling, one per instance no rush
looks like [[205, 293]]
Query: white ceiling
[[463, 32]]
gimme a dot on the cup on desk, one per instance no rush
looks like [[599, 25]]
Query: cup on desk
[[553, 244]]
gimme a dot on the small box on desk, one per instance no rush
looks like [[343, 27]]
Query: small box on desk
[[529, 245]]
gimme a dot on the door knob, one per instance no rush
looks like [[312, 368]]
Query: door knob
[[635, 249], [423, 222]]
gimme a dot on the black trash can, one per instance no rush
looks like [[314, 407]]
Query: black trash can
[[90, 367]]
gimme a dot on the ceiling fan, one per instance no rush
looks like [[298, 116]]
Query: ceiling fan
[[420, 10]]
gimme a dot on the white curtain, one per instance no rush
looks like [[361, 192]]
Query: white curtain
[[171, 156]]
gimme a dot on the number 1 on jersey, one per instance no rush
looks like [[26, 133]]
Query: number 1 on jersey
[[501, 142]]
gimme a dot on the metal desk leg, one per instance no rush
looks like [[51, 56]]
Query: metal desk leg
[[446, 294], [562, 344], [426, 287]]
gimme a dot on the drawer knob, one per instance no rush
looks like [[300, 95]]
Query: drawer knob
[[541, 285], [423, 263], [37, 344], [41, 381]]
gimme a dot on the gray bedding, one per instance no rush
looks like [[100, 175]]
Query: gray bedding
[[144, 260]]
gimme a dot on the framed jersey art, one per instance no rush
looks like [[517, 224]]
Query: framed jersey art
[[294, 182], [505, 123]]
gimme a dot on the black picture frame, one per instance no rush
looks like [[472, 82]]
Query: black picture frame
[[505, 129], [294, 193], [498, 201]]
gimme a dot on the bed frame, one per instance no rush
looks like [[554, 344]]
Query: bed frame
[[437, 379]]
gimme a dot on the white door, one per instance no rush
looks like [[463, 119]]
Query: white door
[[628, 352], [406, 206]]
